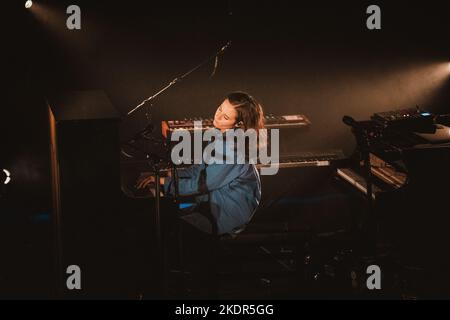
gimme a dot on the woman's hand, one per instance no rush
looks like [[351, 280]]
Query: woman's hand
[[144, 182]]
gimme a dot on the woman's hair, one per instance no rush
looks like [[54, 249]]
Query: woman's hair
[[250, 116], [249, 110]]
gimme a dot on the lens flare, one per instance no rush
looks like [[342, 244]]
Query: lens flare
[[8, 176]]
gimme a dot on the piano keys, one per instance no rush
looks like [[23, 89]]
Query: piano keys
[[270, 122], [132, 170], [386, 177]]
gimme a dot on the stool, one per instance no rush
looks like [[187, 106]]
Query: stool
[[259, 243], [250, 242]]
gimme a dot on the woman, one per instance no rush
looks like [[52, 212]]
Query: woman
[[227, 195]]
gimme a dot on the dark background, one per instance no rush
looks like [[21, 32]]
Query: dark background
[[313, 58]]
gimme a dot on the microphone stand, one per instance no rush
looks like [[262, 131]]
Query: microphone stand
[[371, 221], [161, 256], [180, 78], [369, 226]]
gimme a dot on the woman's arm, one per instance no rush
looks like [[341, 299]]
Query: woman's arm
[[203, 179]]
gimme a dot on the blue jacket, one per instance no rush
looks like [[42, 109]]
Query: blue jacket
[[233, 190]]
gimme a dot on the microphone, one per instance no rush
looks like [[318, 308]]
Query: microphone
[[353, 123], [216, 59], [349, 121], [225, 47]]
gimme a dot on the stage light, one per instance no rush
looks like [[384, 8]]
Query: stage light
[[8, 176], [28, 4]]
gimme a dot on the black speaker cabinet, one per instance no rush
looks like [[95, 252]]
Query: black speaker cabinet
[[85, 151]]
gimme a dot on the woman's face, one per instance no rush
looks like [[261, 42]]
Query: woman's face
[[226, 116]]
